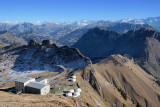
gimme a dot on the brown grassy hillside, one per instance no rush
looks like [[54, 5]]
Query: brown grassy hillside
[[127, 77]]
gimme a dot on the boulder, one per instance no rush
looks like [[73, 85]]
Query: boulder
[[32, 42], [46, 42]]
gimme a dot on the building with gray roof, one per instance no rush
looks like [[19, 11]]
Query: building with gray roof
[[37, 88], [24, 79], [32, 85], [36, 85], [21, 82], [42, 80]]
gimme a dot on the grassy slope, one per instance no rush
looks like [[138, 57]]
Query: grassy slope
[[30, 100], [129, 77]]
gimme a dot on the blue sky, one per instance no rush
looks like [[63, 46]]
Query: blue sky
[[72, 10]]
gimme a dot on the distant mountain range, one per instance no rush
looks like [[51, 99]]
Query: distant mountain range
[[8, 38], [68, 33], [152, 21], [142, 45]]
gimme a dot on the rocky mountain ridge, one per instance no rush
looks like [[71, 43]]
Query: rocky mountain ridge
[[129, 79], [142, 45], [8, 38], [35, 57]]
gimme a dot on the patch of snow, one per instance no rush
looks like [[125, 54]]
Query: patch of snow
[[107, 83]]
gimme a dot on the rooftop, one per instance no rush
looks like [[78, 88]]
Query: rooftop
[[40, 79], [36, 85], [24, 79]]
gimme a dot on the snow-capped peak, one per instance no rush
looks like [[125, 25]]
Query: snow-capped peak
[[126, 20]]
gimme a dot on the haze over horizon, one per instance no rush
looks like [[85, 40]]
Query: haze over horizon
[[72, 10]]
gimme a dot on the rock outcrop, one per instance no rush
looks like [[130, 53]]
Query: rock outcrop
[[47, 43], [33, 42], [88, 75]]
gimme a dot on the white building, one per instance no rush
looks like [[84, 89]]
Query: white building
[[21, 82], [42, 80], [77, 94], [73, 80], [37, 88], [32, 85], [71, 91], [74, 77], [69, 94], [78, 90]]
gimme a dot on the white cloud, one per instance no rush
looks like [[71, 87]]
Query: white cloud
[[6, 21], [37, 22]]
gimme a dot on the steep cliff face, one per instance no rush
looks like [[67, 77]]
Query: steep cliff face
[[88, 75]]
